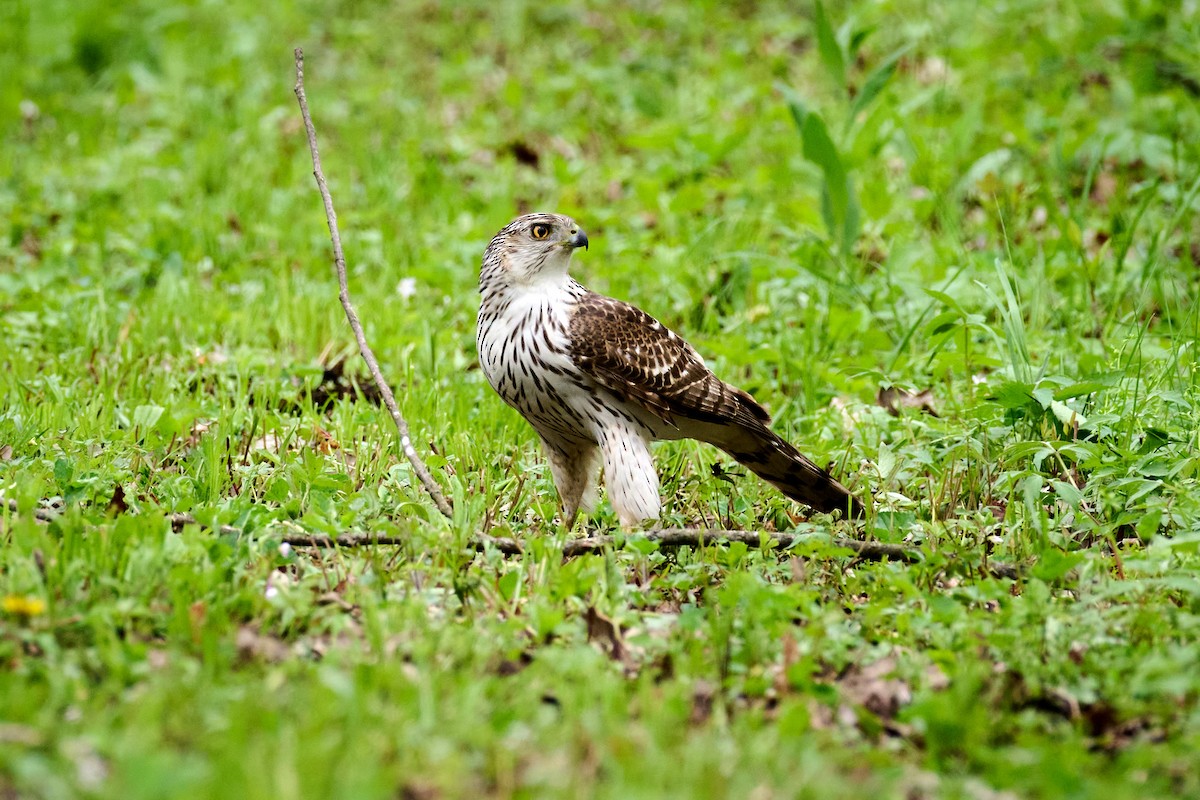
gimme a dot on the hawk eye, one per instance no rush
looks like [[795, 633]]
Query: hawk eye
[[539, 231]]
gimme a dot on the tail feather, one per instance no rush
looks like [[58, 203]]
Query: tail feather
[[773, 459]]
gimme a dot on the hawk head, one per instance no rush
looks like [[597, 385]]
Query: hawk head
[[532, 247]]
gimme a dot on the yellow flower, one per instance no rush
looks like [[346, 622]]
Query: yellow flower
[[23, 605]]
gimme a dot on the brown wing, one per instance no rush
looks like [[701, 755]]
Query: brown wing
[[636, 357]]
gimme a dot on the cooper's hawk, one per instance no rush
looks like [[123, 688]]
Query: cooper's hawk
[[599, 380]]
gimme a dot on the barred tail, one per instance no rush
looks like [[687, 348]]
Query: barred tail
[[783, 466]]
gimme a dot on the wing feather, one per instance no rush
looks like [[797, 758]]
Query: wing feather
[[636, 357]]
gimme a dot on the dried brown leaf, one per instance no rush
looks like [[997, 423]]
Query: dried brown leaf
[[507, 667], [335, 599], [936, 679], [15, 733], [199, 428], [798, 569], [118, 504], [417, 790], [254, 646], [32, 245], [893, 399], [931, 70], [703, 697], [603, 630], [268, 442], [1103, 188], [873, 688]]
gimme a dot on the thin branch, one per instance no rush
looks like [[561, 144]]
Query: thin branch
[[695, 537], [665, 538], [180, 521], [339, 260]]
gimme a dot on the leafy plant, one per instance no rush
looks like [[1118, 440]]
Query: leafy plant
[[839, 204]]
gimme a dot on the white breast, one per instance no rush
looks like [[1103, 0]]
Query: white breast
[[524, 350]]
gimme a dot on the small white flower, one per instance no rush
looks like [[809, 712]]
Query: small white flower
[[285, 549], [406, 288]]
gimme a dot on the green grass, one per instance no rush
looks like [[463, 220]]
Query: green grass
[[1009, 221]]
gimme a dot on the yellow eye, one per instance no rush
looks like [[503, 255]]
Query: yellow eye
[[539, 231]]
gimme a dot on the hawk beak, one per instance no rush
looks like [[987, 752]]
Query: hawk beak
[[578, 239]]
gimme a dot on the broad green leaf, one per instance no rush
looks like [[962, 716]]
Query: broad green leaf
[[508, 584], [63, 472], [875, 83], [1038, 451], [820, 149], [946, 299], [1031, 490], [1154, 439], [838, 205], [1148, 525], [1013, 394], [1055, 563], [1083, 388], [641, 546], [827, 46], [1070, 494], [948, 320], [145, 417], [795, 105]]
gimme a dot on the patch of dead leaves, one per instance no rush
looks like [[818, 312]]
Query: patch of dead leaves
[[419, 790], [875, 688], [704, 696], [893, 399], [337, 385], [605, 632], [253, 645], [1103, 722], [507, 667], [118, 505]]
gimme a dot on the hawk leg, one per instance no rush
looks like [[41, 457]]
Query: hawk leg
[[575, 468], [629, 474]]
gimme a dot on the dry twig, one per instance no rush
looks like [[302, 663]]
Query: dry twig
[[667, 538], [339, 260], [663, 537]]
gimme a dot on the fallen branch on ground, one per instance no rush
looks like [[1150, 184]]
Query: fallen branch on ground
[[699, 537], [663, 537]]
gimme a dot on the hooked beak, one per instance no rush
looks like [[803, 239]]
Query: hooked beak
[[578, 239]]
